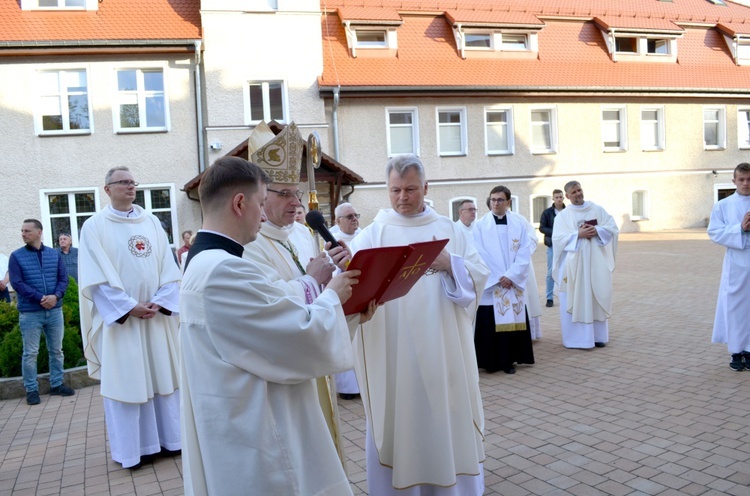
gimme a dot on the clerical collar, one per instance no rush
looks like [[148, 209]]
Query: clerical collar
[[210, 240], [500, 220], [121, 213]]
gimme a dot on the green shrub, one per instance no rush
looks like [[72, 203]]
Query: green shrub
[[11, 352], [71, 313], [8, 318]]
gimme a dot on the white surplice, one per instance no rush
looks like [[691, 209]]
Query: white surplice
[[732, 321], [252, 423], [283, 254], [125, 260], [583, 272], [416, 365]]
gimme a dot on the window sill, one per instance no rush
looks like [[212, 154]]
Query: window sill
[[64, 133], [456, 154], [141, 131], [499, 154], [543, 152], [637, 219], [714, 148], [615, 150], [653, 150]]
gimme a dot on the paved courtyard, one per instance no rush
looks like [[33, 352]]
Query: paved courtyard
[[658, 411]]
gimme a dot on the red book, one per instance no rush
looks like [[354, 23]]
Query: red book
[[389, 272]]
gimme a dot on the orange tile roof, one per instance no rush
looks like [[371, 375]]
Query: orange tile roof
[[115, 20], [493, 17], [655, 24], [572, 53], [368, 13]]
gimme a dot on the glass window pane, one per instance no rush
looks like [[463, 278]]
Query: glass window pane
[[75, 81], [497, 138], [140, 198], [711, 115], [52, 122], [166, 223], [78, 106], [59, 225], [401, 140], [153, 80], [50, 105], [480, 40], [711, 134], [85, 202], [48, 3], [449, 117], [538, 206], [649, 115], [400, 117], [129, 115], [540, 116], [611, 115], [450, 139], [275, 98], [540, 137], [49, 83], [367, 37], [497, 116], [58, 204], [127, 81], [514, 41], [155, 114], [256, 102], [80, 219], [626, 45], [637, 203], [160, 198], [744, 127], [658, 46], [611, 135], [75, 3]]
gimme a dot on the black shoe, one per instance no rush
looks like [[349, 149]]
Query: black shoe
[[61, 390], [347, 396], [746, 357], [736, 363], [600, 345], [32, 398], [550, 303], [510, 370]]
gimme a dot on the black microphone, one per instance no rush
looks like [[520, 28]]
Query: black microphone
[[316, 221]]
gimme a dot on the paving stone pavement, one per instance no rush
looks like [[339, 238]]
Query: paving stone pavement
[[656, 412]]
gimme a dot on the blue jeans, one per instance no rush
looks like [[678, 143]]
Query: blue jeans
[[550, 280], [32, 325]]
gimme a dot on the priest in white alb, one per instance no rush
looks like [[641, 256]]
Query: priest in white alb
[[584, 242], [251, 345], [129, 283], [730, 227], [285, 248], [415, 360]]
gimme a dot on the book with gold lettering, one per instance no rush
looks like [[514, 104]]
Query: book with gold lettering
[[389, 272]]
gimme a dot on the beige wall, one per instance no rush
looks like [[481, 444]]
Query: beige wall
[[30, 163], [678, 180]]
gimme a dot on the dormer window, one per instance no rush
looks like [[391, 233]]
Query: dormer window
[[371, 40], [478, 40], [59, 4], [641, 47], [489, 43], [626, 44], [657, 46]]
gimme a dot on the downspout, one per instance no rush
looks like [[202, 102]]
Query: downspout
[[199, 107], [336, 123]]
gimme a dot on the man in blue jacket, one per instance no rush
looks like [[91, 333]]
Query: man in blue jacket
[[38, 275]]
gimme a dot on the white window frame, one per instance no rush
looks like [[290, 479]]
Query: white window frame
[[552, 130], [511, 46], [661, 145], [414, 127], [622, 128], [721, 127], [34, 5], [743, 128], [622, 37], [62, 95], [510, 141], [462, 131], [455, 201], [548, 203], [264, 83], [47, 217], [646, 205], [514, 204], [141, 95], [429, 203], [146, 188]]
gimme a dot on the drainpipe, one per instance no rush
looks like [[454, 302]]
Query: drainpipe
[[199, 107], [336, 123]]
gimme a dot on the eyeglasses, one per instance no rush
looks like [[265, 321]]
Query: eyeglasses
[[351, 216], [497, 200], [286, 193], [124, 182], [469, 209]]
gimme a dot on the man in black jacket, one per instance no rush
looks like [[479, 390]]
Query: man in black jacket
[[546, 222]]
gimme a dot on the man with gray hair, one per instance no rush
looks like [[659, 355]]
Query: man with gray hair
[[584, 241], [347, 219], [415, 359], [130, 288]]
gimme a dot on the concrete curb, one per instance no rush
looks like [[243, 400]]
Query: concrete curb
[[76, 378]]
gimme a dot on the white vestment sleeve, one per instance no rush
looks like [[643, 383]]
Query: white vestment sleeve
[[111, 303], [572, 244], [459, 289], [725, 232], [604, 236], [168, 296]]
